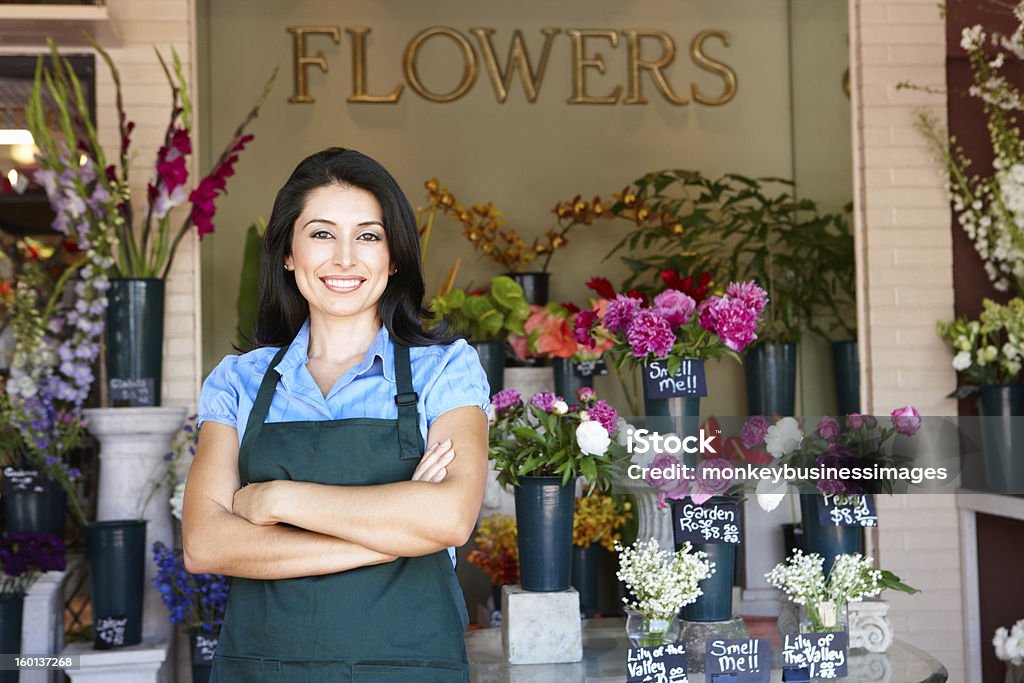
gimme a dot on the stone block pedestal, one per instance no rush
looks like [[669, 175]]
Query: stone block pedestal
[[135, 664], [541, 628]]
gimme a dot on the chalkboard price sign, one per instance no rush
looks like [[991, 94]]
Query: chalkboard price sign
[[712, 522], [689, 381], [847, 510], [125, 392], [203, 649], [589, 368], [18, 480], [822, 655], [110, 631], [662, 664], [750, 659]]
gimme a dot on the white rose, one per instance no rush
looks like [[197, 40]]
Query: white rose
[[592, 438], [999, 643], [559, 407], [769, 494], [962, 361], [1014, 648], [783, 437]]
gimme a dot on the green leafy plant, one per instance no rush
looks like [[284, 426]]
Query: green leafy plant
[[247, 295], [989, 350], [739, 229], [492, 315]]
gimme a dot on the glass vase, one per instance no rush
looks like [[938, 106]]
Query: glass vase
[[650, 631], [823, 616]]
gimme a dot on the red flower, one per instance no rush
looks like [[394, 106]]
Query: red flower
[[637, 294], [698, 292], [181, 141], [204, 196], [71, 246], [172, 173], [570, 307], [603, 287]]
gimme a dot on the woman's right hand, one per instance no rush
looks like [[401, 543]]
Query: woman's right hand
[[434, 462]]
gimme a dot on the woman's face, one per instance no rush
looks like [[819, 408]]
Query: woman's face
[[340, 253]]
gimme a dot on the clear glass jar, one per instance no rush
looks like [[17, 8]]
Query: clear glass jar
[[823, 616], [650, 631]]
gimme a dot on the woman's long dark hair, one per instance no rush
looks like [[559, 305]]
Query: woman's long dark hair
[[282, 309]]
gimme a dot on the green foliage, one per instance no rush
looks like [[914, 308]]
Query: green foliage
[[739, 229], [247, 288], [490, 316], [989, 350]]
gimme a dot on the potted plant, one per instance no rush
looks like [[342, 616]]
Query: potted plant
[[496, 554], [91, 196], [483, 226], [823, 595], [860, 450], [988, 353], [660, 583], [24, 555], [596, 523], [540, 449], [488, 318], [674, 332], [195, 601], [737, 228]]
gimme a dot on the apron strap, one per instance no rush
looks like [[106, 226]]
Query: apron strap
[[409, 437], [260, 408]]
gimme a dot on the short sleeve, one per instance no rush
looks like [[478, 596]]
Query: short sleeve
[[459, 381], [218, 399]]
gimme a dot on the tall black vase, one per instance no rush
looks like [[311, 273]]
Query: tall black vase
[[846, 366], [715, 602], [135, 338], [584, 577], [116, 551], [771, 379], [827, 540], [11, 610], [44, 511], [535, 287], [492, 357], [544, 514], [1001, 408], [568, 381]]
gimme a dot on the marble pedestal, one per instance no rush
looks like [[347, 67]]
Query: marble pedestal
[[42, 623], [696, 634], [541, 628], [135, 664]]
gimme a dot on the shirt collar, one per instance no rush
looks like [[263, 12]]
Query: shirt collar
[[382, 347]]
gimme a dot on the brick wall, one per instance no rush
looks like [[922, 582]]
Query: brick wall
[[143, 24], [904, 252]]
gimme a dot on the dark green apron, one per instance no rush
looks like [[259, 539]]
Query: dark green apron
[[399, 621]]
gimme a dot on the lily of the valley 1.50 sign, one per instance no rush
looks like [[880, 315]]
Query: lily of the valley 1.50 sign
[[647, 54]]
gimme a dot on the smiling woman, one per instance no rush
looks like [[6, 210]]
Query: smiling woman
[[311, 479]]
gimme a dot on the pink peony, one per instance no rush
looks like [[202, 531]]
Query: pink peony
[[906, 420], [828, 428], [650, 333], [621, 311], [750, 294], [605, 414], [585, 394], [506, 400], [754, 431], [733, 321], [545, 400], [675, 306]]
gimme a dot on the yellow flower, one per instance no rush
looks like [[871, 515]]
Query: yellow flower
[[598, 519], [497, 551]]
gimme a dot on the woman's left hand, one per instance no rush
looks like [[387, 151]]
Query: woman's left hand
[[253, 503]]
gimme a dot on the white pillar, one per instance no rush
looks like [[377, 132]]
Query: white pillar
[[42, 623], [133, 443]]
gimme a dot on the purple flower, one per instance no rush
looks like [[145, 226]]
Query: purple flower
[[74, 473], [50, 461], [665, 473], [754, 431], [856, 421], [605, 414], [675, 306], [544, 400], [650, 333], [506, 400], [620, 312], [828, 428], [711, 478], [585, 321], [906, 420], [750, 294]]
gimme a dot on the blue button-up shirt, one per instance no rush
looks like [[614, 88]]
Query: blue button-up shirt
[[445, 377]]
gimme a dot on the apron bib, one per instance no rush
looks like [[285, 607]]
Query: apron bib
[[399, 621]]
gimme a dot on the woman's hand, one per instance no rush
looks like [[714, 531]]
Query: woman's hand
[[253, 503], [434, 462]]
